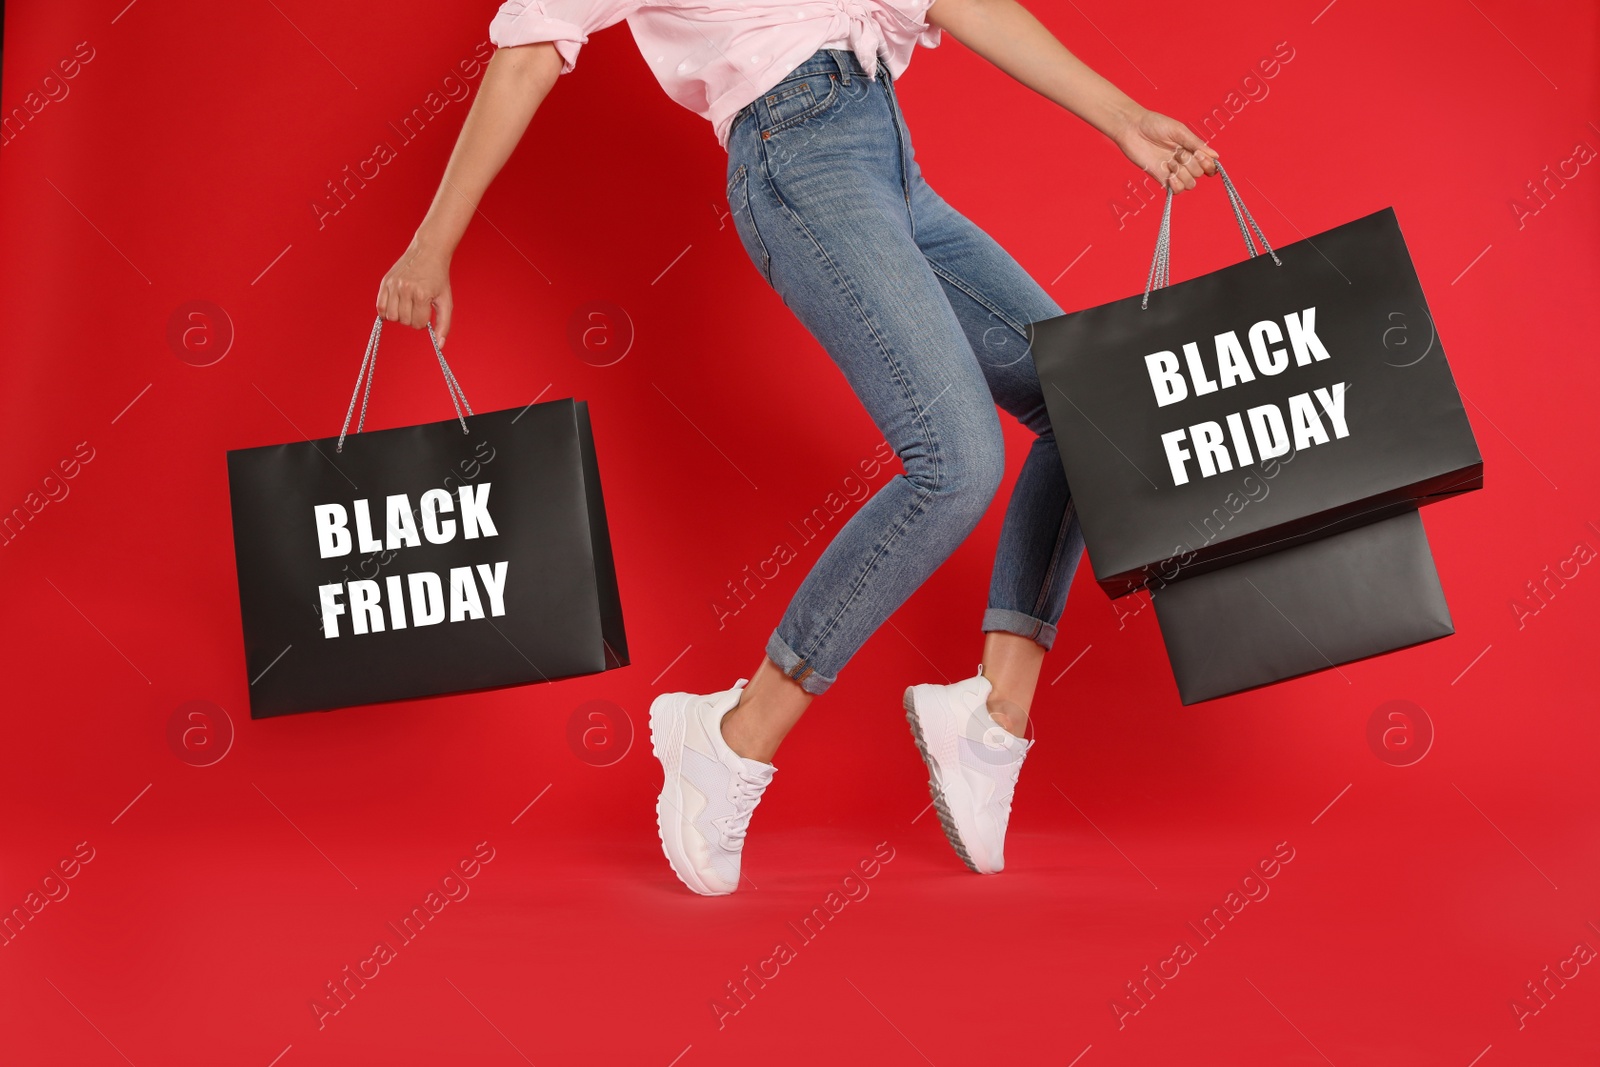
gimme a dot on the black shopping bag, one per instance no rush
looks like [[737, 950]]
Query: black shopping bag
[[452, 556], [1274, 401], [1312, 607]]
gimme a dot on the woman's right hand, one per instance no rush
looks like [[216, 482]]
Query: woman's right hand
[[416, 286], [1166, 149], [516, 80]]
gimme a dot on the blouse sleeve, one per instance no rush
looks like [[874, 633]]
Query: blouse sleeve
[[912, 15], [931, 34], [566, 23]]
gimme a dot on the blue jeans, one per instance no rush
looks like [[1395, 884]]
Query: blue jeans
[[926, 316]]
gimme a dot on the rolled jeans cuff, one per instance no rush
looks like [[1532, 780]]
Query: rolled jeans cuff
[[796, 669], [1015, 622]]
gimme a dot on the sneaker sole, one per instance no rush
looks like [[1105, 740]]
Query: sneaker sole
[[939, 785], [666, 741]]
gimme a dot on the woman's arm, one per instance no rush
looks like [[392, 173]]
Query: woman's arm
[[514, 85], [1005, 34]]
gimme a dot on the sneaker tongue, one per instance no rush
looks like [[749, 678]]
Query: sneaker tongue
[[757, 768]]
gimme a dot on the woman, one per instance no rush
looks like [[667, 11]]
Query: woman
[[922, 312]]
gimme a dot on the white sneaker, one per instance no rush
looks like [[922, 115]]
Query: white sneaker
[[710, 791], [973, 764]]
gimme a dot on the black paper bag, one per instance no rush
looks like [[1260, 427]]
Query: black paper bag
[[440, 558], [1324, 348], [1311, 607]]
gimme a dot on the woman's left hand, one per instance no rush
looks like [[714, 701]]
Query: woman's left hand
[[1166, 149]]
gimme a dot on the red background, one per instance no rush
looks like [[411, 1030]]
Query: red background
[[182, 166]]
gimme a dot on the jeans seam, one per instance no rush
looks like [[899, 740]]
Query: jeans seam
[[883, 348], [1066, 516], [900, 143], [755, 231], [907, 390], [1055, 558], [972, 291], [914, 509]]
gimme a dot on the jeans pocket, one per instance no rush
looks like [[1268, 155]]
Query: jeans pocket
[[744, 222], [793, 102]]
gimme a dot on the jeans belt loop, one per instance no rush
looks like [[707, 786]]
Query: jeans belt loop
[[842, 63]]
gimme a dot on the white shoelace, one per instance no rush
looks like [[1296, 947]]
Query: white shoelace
[[1004, 773], [746, 789]]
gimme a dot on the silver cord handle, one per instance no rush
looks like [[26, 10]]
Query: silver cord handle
[[369, 366], [1161, 262]]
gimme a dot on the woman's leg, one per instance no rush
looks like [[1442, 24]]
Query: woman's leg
[[1011, 663], [973, 763], [822, 204], [1041, 541]]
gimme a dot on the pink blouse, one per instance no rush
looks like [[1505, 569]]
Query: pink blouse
[[715, 56]]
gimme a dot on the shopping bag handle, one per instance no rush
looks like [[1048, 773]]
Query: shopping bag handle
[[369, 365], [1161, 262]]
